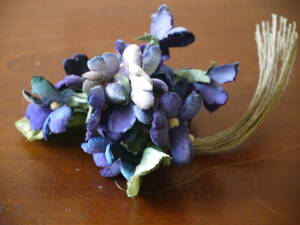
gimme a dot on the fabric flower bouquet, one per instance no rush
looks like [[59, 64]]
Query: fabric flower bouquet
[[136, 110]]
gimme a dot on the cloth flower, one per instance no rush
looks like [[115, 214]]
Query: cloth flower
[[162, 27], [213, 95]]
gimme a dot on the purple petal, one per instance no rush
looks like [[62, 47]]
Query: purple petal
[[191, 106], [95, 145], [161, 22], [112, 170], [183, 88], [165, 74], [100, 160], [144, 116], [170, 103], [77, 64], [116, 93], [224, 73], [37, 115], [71, 81], [213, 96], [160, 120], [181, 146], [105, 65], [57, 121], [96, 97], [160, 137], [176, 37], [120, 46], [159, 86], [104, 132], [151, 59], [93, 123], [103, 128], [122, 119]]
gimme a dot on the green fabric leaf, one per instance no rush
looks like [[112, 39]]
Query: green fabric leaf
[[77, 119], [149, 38], [23, 125], [42, 87], [151, 159], [78, 100], [136, 139], [193, 75]]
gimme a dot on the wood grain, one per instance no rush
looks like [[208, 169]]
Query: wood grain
[[57, 184]]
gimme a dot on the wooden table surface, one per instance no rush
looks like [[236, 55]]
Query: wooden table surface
[[56, 183]]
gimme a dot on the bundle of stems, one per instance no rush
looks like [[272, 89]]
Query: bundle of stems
[[276, 46]]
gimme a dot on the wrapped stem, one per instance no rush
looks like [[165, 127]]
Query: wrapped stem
[[276, 45]]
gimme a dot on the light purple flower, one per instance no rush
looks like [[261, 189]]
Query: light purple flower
[[112, 170], [57, 121], [95, 145], [122, 119], [37, 115], [100, 160]]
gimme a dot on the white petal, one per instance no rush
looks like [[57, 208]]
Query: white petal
[[133, 54], [143, 99]]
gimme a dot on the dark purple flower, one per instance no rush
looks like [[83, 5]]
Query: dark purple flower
[[57, 121], [162, 27], [112, 170], [122, 119], [71, 81], [37, 115], [183, 88], [182, 149], [159, 132], [213, 96], [170, 103], [77, 64], [165, 74], [159, 86], [95, 145], [191, 106]]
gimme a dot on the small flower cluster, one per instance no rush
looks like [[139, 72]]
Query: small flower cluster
[[137, 110]]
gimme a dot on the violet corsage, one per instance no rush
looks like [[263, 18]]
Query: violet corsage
[[137, 111]]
